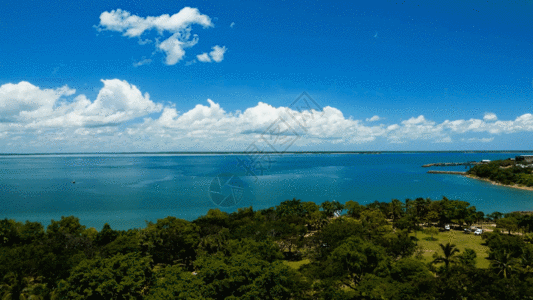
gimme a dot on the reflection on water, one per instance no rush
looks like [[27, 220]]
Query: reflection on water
[[126, 190]]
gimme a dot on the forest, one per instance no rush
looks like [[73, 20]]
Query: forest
[[506, 172], [296, 250]]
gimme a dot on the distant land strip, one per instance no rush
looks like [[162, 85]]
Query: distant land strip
[[265, 152]]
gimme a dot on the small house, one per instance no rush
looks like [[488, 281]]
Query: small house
[[485, 161]]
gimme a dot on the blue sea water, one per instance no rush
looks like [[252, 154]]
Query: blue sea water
[[126, 190]]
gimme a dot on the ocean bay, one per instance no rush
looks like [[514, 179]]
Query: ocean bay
[[126, 190]]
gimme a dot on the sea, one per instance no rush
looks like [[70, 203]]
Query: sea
[[128, 190]]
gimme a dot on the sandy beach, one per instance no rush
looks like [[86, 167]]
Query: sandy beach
[[515, 186]]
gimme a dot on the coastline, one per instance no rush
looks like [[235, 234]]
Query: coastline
[[500, 184]]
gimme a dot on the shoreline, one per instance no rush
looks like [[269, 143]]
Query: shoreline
[[500, 184]]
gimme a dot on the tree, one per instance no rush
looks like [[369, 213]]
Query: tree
[[9, 234], [449, 252], [468, 258], [431, 216], [510, 224], [354, 209], [291, 208], [354, 258], [374, 223], [243, 277], [503, 262], [28, 287], [118, 277], [31, 231], [495, 216], [173, 282], [395, 210], [106, 235], [171, 241]]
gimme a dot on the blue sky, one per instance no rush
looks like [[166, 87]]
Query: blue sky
[[389, 75]]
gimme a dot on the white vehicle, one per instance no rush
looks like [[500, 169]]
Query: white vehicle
[[447, 227], [478, 231]]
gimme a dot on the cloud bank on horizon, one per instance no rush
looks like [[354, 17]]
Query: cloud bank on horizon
[[122, 116]]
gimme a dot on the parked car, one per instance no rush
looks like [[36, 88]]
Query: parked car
[[447, 227], [479, 231], [471, 229]]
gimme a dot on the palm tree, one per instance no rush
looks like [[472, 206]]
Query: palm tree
[[34, 288], [449, 255], [28, 288], [503, 262], [10, 288]]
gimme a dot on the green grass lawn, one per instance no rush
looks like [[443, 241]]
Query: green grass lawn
[[296, 264], [460, 239]]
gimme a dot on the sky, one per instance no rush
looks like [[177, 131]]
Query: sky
[[128, 76]]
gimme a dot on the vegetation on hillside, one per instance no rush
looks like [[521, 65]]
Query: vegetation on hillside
[[296, 250], [506, 172]]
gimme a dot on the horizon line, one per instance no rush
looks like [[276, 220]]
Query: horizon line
[[266, 152]]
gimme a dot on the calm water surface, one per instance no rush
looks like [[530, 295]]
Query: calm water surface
[[126, 190]]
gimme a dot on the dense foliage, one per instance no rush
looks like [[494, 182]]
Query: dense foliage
[[344, 251], [504, 171]]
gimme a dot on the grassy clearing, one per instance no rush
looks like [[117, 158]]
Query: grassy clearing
[[460, 239], [296, 264]]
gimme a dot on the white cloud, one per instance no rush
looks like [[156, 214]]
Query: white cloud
[[204, 57], [446, 139], [145, 61], [35, 117], [216, 55], [478, 140], [31, 107], [490, 117], [179, 25], [373, 119], [232, 24]]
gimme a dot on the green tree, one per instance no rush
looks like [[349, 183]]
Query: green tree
[[468, 258], [31, 231], [395, 210], [244, 277], [106, 235], [503, 263], [509, 224], [449, 251], [173, 282], [171, 241], [354, 209], [27, 288], [118, 277], [9, 232], [354, 258]]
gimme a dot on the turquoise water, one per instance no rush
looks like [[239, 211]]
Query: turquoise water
[[126, 190]]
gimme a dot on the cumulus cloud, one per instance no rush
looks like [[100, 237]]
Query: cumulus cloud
[[29, 106], [490, 117], [373, 119], [34, 117], [204, 57], [216, 55], [232, 24], [178, 25]]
